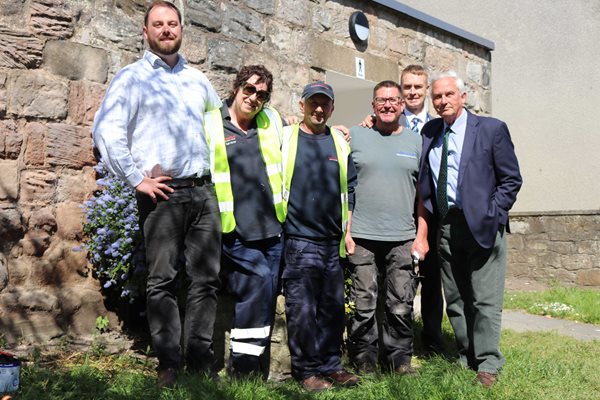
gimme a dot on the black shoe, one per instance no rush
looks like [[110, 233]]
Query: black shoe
[[167, 377]]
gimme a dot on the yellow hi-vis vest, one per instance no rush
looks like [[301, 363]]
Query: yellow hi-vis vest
[[342, 149], [269, 127]]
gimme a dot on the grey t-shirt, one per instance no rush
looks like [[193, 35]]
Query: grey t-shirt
[[387, 167]]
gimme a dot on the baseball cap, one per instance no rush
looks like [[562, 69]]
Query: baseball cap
[[317, 87]]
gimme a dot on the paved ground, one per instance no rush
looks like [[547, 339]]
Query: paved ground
[[522, 322]]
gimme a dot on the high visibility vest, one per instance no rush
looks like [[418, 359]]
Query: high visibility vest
[[342, 149], [269, 127]]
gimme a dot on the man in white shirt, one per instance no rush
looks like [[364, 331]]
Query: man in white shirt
[[149, 131]]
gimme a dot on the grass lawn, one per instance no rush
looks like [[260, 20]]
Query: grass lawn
[[576, 304], [539, 366]]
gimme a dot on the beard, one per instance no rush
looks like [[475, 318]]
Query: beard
[[165, 47]]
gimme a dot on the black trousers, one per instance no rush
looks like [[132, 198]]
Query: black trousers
[[182, 233]]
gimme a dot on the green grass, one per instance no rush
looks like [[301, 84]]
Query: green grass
[[539, 366], [576, 304]]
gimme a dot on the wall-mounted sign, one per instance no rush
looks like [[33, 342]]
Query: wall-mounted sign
[[360, 67]]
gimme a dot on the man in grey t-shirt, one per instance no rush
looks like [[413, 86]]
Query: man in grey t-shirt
[[382, 231]]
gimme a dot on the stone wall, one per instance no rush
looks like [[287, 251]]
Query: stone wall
[[556, 247], [56, 59]]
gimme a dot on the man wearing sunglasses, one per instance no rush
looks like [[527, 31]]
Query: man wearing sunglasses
[[381, 234], [245, 141]]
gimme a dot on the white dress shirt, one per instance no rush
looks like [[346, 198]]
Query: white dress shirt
[[151, 120]]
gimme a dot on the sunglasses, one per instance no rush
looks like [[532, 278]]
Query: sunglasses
[[261, 95]]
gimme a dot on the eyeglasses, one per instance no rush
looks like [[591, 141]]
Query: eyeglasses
[[382, 100], [261, 95]]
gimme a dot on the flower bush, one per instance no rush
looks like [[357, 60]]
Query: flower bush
[[113, 238]]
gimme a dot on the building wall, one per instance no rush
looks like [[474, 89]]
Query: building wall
[[56, 59], [546, 87]]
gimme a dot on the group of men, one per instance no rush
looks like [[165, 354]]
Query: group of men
[[238, 192]]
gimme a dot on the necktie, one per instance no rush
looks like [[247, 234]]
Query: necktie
[[415, 125], [442, 183]]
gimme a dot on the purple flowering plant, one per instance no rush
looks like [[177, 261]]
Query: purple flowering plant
[[113, 238]]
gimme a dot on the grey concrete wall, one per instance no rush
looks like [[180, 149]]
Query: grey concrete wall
[[546, 87]]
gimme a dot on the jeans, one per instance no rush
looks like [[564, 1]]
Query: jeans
[[385, 265], [250, 274], [182, 232], [473, 281], [313, 283]]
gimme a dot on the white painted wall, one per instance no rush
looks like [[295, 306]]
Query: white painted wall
[[546, 87]]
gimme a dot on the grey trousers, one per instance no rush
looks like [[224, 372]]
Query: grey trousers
[[183, 232], [382, 266], [473, 281]]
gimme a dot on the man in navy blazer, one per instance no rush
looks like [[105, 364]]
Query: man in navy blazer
[[473, 160]]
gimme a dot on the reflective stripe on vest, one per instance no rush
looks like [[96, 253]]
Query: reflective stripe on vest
[[342, 149], [269, 142]]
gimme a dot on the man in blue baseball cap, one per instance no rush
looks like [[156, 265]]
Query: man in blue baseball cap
[[319, 180]]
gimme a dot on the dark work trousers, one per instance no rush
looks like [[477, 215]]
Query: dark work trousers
[[385, 265], [313, 284], [250, 274], [432, 301], [187, 224]]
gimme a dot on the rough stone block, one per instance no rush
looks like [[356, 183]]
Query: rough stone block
[[70, 218], [296, 13], [35, 94], [11, 7], [22, 326], [475, 72], [589, 278], [35, 242], [440, 59], [43, 219], [9, 180], [321, 19], [11, 140], [91, 304], [37, 187], [35, 149], [69, 146], [577, 262], [194, 47], [39, 300], [115, 28], [51, 18], [19, 270], [84, 100], [243, 25], [204, 13], [19, 49], [3, 272], [224, 55], [76, 186], [76, 61], [132, 7], [262, 6]]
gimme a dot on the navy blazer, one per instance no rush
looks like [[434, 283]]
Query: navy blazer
[[488, 174]]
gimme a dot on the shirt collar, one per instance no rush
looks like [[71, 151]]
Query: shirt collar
[[422, 115], [156, 61], [460, 124]]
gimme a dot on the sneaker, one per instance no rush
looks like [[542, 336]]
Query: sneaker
[[316, 384], [344, 378]]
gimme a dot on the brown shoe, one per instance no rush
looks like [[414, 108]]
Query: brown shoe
[[406, 369], [344, 378], [316, 384], [487, 379], [167, 377]]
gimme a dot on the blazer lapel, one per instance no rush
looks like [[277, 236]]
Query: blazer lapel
[[468, 144]]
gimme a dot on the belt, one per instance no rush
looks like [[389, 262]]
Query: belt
[[455, 212], [182, 183]]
